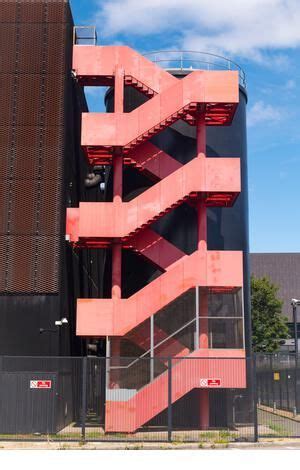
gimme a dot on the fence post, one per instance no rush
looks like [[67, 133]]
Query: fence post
[[169, 399], [272, 380], [254, 394], [296, 394], [83, 397]]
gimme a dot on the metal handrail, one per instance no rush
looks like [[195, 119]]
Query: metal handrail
[[89, 37], [156, 346], [171, 336], [182, 58]]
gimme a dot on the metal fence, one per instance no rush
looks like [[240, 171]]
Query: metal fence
[[278, 395], [149, 399], [126, 399]]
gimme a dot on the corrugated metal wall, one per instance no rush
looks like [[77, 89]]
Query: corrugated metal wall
[[34, 50]]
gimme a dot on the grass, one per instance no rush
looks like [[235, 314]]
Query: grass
[[277, 428], [218, 437], [223, 436]]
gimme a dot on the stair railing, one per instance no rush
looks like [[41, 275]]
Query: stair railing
[[156, 346]]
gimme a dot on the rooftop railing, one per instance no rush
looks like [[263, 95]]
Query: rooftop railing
[[172, 60], [84, 36], [185, 61]]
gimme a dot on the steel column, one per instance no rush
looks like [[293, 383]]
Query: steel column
[[117, 189], [169, 399], [202, 246], [83, 397], [151, 348], [117, 166]]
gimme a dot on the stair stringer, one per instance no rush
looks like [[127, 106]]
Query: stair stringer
[[116, 317], [127, 130], [128, 416], [104, 220]]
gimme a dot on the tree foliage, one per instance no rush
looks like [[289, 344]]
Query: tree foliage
[[269, 326]]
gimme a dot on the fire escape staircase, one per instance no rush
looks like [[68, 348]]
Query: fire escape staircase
[[209, 181], [103, 132], [215, 180], [127, 410]]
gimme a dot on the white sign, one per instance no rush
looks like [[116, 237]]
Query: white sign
[[41, 384], [210, 383]]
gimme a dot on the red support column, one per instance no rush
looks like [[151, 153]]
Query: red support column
[[202, 245], [117, 163], [117, 188], [116, 246]]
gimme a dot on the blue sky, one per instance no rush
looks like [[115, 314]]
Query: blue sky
[[263, 36]]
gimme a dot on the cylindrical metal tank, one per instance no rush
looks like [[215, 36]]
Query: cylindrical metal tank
[[227, 227]]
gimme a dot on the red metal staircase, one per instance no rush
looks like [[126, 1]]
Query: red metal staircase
[[215, 180], [197, 92], [117, 316], [128, 415], [203, 99]]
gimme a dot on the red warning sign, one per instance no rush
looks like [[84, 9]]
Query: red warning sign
[[210, 383], [41, 384]]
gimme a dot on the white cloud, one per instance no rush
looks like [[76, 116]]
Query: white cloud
[[290, 85], [249, 28], [261, 112]]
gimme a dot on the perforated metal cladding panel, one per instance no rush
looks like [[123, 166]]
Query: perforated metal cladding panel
[[35, 41]]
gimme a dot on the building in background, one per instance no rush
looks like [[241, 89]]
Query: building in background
[[283, 269]]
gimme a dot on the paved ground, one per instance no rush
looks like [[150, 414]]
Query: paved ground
[[275, 432], [283, 444]]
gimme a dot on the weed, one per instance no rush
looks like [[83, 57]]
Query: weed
[[276, 428], [64, 447], [207, 436], [135, 447]]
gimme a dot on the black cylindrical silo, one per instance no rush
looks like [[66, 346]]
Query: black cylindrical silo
[[227, 227]]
